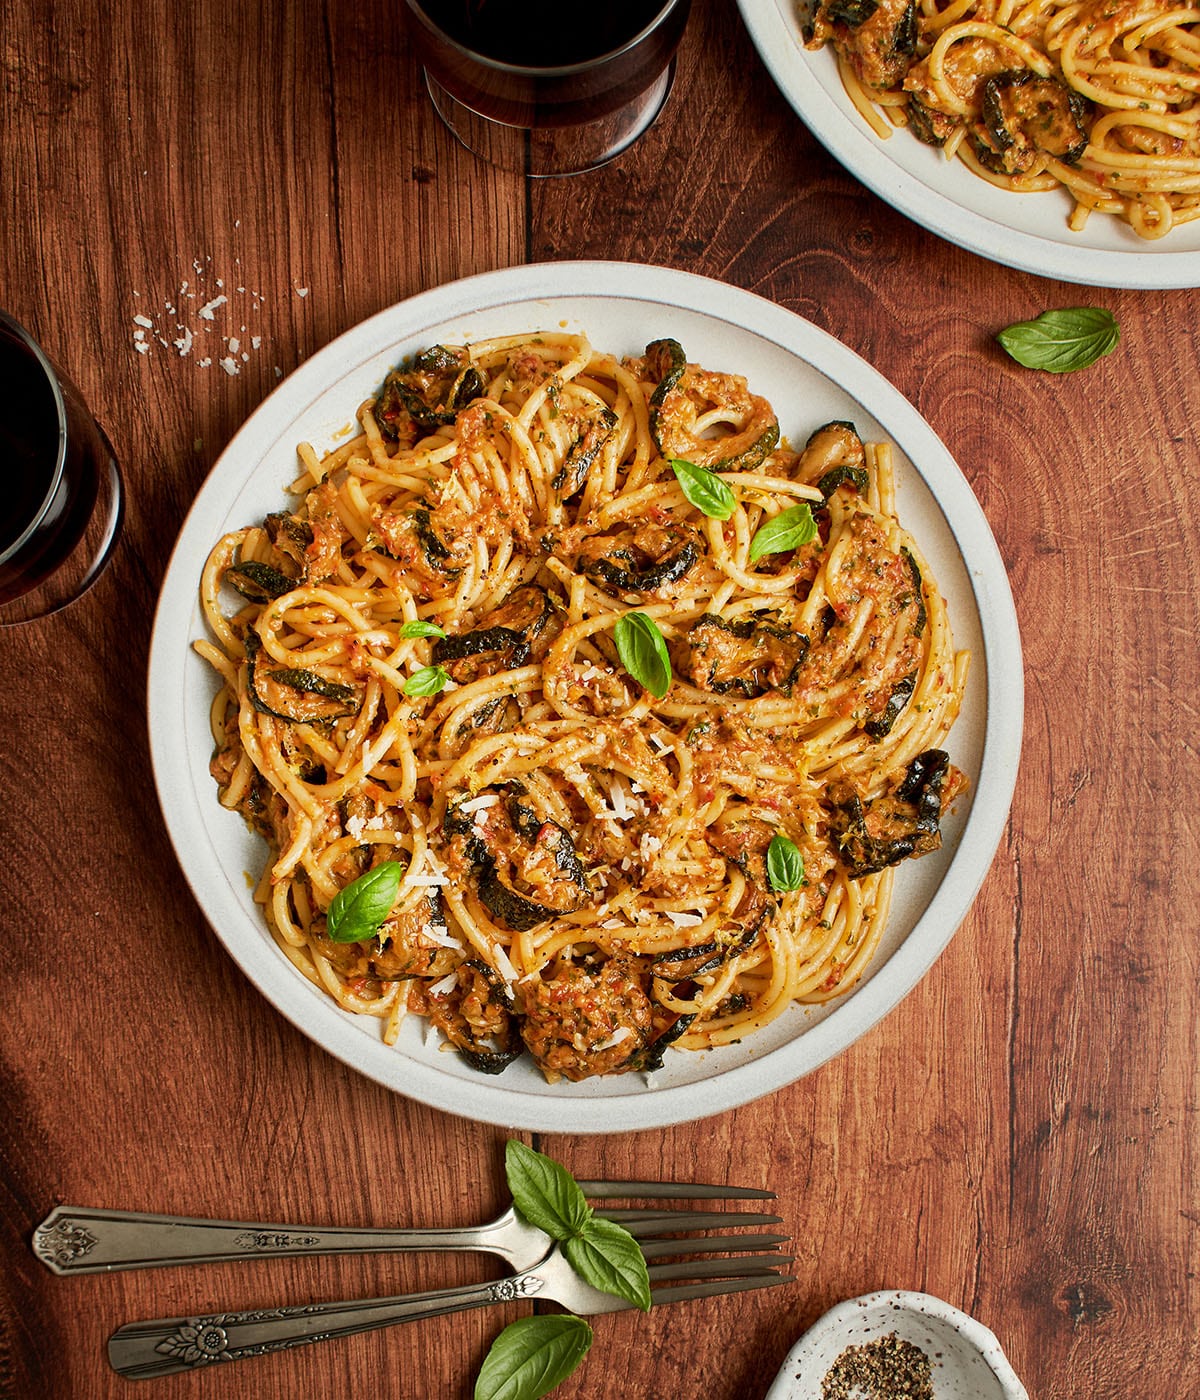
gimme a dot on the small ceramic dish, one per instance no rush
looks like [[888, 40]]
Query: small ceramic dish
[[966, 1360]]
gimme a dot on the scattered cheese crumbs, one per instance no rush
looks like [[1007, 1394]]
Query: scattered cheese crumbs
[[355, 825], [621, 1033], [683, 920], [184, 343], [301, 291], [437, 933], [503, 966], [477, 804], [209, 309], [143, 321], [229, 366], [612, 923], [444, 985], [376, 823], [234, 344]]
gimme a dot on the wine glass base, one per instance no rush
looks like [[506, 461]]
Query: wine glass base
[[542, 152]]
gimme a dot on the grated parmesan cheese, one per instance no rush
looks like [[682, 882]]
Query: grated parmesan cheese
[[621, 1033], [503, 966], [445, 985], [479, 804]]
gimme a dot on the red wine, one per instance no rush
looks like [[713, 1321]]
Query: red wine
[[525, 63], [51, 457], [541, 33]]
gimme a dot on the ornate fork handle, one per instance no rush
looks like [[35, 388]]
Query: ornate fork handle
[[75, 1241], [143, 1350]]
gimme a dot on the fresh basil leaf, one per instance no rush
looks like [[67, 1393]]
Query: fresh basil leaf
[[532, 1356], [418, 628], [1059, 341], [544, 1192], [785, 864], [607, 1256], [643, 652], [429, 680], [788, 530], [356, 912], [704, 489]]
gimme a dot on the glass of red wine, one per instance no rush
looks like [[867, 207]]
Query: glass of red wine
[[64, 501], [546, 89]]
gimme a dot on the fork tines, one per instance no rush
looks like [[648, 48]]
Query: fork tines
[[692, 1190]]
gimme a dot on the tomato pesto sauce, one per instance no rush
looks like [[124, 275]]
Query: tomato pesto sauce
[[584, 715]]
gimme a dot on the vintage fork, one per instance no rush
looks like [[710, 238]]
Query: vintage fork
[[74, 1240], [143, 1350]]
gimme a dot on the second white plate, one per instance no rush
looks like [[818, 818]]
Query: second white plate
[[1023, 231]]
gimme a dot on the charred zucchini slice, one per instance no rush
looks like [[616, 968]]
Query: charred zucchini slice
[[873, 835], [258, 582], [666, 362], [643, 560], [929, 125], [291, 537], [833, 456], [294, 693], [650, 1057], [745, 658], [428, 394], [528, 870], [301, 696], [1024, 116], [620, 571], [583, 452], [479, 1020], [851, 13], [882, 724], [682, 964]]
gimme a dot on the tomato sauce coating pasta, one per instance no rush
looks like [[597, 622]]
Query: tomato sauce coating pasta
[[432, 663]]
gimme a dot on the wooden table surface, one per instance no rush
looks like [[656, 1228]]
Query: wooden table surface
[[1019, 1137]]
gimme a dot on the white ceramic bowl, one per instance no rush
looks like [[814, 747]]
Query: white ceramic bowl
[[811, 378], [967, 1360]]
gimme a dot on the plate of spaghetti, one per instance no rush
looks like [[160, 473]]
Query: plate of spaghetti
[[570, 697], [1061, 137]]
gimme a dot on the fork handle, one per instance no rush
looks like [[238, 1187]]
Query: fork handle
[[144, 1350], [75, 1241]]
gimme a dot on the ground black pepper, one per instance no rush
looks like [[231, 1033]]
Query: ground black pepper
[[887, 1368]]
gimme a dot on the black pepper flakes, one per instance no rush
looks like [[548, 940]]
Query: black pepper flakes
[[888, 1368]]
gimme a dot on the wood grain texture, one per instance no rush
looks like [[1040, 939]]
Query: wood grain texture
[[1018, 1137]]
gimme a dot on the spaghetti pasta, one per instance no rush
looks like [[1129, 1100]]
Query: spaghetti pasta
[[640, 706], [1094, 97]]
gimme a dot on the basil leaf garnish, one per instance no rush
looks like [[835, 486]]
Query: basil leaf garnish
[[1059, 341], [704, 489], [602, 1252], [532, 1356], [419, 628], [785, 864], [429, 680], [545, 1193], [788, 530], [643, 652], [356, 912], [607, 1256]]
